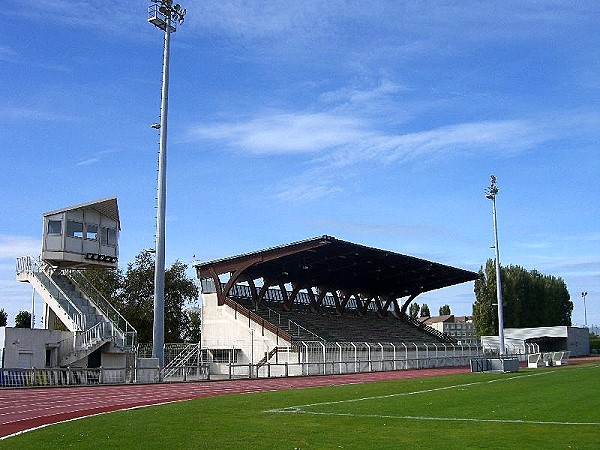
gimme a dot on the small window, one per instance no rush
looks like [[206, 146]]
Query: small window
[[224, 356], [54, 227], [109, 236], [74, 229], [92, 232]]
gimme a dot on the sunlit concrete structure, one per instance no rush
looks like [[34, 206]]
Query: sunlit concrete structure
[[575, 340], [82, 236], [272, 305], [81, 328]]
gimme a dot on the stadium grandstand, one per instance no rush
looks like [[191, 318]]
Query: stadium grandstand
[[312, 301]]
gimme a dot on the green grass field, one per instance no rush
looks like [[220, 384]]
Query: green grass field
[[544, 408]]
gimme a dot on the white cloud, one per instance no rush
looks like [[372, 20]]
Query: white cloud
[[7, 53], [350, 140], [15, 246], [32, 113], [88, 162], [506, 136], [338, 140], [304, 190], [91, 14], [361, 95], [285, 133]]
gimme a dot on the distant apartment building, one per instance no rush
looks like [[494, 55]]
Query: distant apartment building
[[460, 328]]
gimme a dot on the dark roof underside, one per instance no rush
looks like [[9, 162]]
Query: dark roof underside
[[333, 264]]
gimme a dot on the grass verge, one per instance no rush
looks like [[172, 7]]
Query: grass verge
[[544, 408]]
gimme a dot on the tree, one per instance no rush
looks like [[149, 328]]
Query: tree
[[108, 282], [3, 318], [23, 319], [530, 299], [194, 326], [425, 310], [132, 294], [413, 310], [445, 310]]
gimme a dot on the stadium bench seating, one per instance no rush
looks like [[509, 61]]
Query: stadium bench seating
[[535, 360], [560, 358]]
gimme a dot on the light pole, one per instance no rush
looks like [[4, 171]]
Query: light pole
[[164, 15], [490, 193], [584, 295]]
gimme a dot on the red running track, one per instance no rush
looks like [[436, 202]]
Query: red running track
[[22, 409]]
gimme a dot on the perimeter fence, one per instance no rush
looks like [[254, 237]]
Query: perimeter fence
[[189, 362], [319, 358]]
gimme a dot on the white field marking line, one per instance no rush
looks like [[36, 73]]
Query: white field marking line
[[449, 419], [73, 419], [299, 408]]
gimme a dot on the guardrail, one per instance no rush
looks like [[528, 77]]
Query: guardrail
[[290, 369], [253, 317], [18, 378], [27, 264], [122, 332]]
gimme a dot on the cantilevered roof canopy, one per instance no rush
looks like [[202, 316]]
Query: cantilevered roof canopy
[[107, 207], [331, 264]]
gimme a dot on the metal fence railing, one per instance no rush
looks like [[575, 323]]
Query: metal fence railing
[[15, 378], [302, 359], [121, 331], [318, 358], [29, 265]]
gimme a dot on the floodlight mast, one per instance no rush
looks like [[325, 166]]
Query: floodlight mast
[[490, 193], [583, 295], [164, 15]]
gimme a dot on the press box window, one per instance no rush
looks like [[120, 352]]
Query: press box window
[[92, 232], [109, 236], [74, 229], [54, 227]]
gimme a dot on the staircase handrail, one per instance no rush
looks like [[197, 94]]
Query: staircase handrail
[[241, 291], [40, 270], [183, 356], [267, 357], [291, 322], [90, 336], [423, 326], [121, 326], [252, 316]]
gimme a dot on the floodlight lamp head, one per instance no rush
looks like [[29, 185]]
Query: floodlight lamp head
[[490, 193]]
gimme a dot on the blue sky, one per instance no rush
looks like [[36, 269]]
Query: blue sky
[[377, 122]]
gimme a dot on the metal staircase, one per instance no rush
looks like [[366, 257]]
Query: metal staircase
[[79, 306], [191, 355]]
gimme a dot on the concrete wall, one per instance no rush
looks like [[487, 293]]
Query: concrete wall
[[25, 348], [579, 341], [112, 358], [221, 329]]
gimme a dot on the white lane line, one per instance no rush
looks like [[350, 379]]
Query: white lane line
[[450, 419]]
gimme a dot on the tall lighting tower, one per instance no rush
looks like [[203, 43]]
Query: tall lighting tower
[[583, 295], [164, 15], [490, 193]]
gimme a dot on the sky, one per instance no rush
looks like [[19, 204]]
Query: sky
[[378, 123]]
